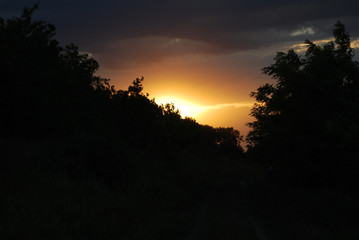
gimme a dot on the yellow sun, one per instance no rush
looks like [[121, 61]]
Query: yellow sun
[[187, 109]]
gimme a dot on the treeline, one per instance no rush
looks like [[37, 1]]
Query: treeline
[[306, 133], [49, 90], [83, 160]]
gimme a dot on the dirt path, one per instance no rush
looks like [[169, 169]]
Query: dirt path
[[224, 215]]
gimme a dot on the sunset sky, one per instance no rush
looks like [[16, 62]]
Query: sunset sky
[[203, 55]]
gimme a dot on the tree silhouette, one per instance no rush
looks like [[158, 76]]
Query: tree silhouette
[[43, 85], [229, 139], [306, 122]]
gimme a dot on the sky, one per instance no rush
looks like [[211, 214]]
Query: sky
[[205, 56]]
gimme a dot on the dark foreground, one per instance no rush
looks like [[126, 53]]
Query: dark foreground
[[155, 199]]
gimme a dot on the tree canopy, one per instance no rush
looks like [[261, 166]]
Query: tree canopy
[[42, 83], [307, 120]]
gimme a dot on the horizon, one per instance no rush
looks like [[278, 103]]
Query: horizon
[[205, 57]]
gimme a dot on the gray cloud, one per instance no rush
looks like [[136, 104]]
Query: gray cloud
[[126, 34]]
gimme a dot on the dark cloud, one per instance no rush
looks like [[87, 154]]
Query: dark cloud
[[139, 31]]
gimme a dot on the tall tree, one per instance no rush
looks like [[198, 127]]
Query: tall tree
[[307, 120], [43, 85]]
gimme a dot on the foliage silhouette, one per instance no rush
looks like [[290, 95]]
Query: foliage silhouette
[[305, 134], [306, 124], [44, 85], [91, 161]]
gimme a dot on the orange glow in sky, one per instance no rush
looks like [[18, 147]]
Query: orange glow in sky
[[208, 92], [234, 115], [186, 108]]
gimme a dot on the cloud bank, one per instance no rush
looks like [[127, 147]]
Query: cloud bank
[[129, 34]]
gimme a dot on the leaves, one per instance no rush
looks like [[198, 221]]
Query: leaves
[[311, 106]]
